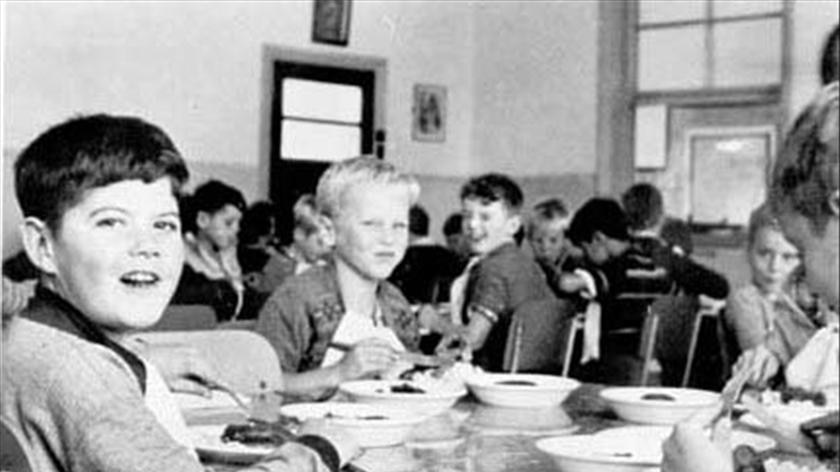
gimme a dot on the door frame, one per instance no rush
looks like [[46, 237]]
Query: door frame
[[273, 53]]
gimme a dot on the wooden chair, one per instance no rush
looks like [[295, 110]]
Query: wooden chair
[[537, 336], [245, 360], [14, 450], [186, 318], [714, 313]]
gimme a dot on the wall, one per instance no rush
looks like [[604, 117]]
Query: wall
[[195, 68]]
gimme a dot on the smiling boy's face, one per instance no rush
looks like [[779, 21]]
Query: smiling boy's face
[[488, 225], [371, 230], [118, 253]]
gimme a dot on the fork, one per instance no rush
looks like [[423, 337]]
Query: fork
[[730, 394], [215, 385]]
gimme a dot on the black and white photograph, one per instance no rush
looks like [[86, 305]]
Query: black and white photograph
[[420, 236]]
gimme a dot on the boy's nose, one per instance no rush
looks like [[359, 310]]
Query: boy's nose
[[146, 244]]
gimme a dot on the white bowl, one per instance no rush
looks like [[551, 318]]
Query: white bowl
[[625, 449], [370, 425], [640, 405], [591, 453], [435, 398], [521, 390]]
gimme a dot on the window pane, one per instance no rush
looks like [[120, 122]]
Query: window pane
[[747, 53], [728, 197], [651, 128], [319, 142], [660, 11], [722, 8], [322, 100], [671, 58]]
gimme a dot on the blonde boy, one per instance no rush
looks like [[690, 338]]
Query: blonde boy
[[364, 203]]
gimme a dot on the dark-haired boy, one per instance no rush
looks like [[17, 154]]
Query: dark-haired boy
[[616, 264], [501, 277], [101, 223]]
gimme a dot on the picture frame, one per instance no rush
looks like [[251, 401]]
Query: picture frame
[[331, 21], [428, 112]]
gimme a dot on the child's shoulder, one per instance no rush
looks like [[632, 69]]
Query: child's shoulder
[[504, 258]]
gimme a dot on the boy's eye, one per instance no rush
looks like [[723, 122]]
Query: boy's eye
[[108, 222], [168, 225]]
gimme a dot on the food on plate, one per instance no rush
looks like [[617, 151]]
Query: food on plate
[[789, 394], [521, 383], [658, 396], [406, 387], [331, 415], [745, 459], [775, 465], [257, 432]]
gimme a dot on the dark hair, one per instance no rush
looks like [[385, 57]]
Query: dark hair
[[59, 166], [210, 197], [257, 221], [598, 214], [494, 188], [643, 206], [830, 60], [805, 174], [418, 221], [453, 224]]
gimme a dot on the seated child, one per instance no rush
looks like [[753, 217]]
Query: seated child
[[212, 274], [646, 216], [257, 238], [308, 248], [501, 277], [427, 270], [347, 303], [616, 264], [101, 223], [546, 233], [772, 312]]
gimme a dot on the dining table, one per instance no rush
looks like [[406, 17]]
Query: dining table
[[474, 437]]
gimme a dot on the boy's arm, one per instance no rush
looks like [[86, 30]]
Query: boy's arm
[[690, 275]]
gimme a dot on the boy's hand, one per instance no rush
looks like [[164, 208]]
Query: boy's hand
[[761, 363], [368, 356], [825, 431], [689, 448], [183, 368]]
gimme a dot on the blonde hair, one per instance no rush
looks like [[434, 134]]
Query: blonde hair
[[306, 214], [807, 171], [550, 209], [363, 170], [762, 217]]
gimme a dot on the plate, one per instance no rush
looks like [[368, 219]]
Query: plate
[[657, 405], [435, 397], [209, 445], [371, 425], [521, 390]]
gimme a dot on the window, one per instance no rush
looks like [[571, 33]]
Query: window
[[709, 44]]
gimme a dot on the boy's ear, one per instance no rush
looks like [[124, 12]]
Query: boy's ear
[[514, 223], [38, 242], [328, 230], [202, 219], [834, 202]]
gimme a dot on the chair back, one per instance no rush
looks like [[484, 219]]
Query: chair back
[[538, 335], [186, 318], [244, 359], [14, 451]]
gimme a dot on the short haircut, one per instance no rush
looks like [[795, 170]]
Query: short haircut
[[364, 170], [418, 221], [598, 214], [807, 172], [493, 187], [830, 61], [210, 197], [761, 218], [453, 224], [258, 220], [306, 214], [643, 205], [53, 173], [550, 209]]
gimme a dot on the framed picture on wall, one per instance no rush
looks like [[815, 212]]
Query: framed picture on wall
[[428, 112], [331, 21]]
